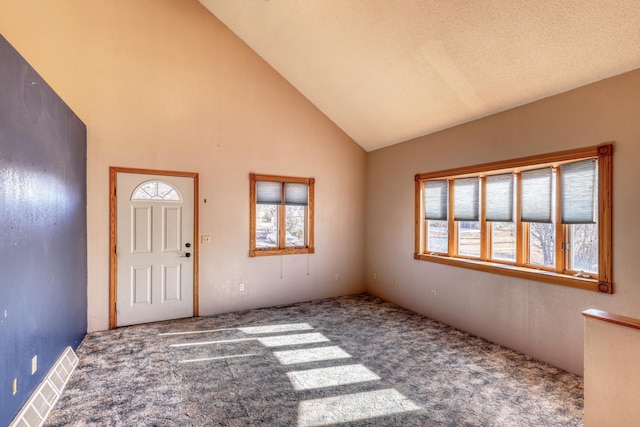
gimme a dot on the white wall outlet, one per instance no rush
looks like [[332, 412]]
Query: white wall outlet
[[241, 287], [205, 238], [337, 276], [395, 282], [34, 364], [433, 293]]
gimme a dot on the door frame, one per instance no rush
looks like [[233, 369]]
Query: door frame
[[113, 222]]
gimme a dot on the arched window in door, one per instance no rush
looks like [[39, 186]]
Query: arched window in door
[[156, 191]]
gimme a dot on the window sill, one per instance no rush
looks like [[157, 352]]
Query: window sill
[[276, 251], [521, 272]]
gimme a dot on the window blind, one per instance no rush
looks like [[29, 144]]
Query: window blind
[[536, 195], [499, 198], [578, 192], [435, 199], [296, 194], [269, 192], [466, 199]]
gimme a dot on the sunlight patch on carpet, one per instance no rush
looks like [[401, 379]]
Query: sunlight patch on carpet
[[353, 407], [333, 376], [295, 339], [192, 344], [305, 355], [207, 359], [271, 329], [205, 331]]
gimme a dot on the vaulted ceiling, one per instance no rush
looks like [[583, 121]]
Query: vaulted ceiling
[[386, 71]]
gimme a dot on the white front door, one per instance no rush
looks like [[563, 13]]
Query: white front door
[[154, 249]]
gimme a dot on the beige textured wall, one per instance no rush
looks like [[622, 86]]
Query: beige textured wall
[[164, 85], [539, 319], [611, 374]]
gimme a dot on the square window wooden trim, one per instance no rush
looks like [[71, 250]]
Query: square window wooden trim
[[280, 178], [602, 282], [285, 250]]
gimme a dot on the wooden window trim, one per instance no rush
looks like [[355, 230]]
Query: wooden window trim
[[282, 249], [602, 282], [485, 236]]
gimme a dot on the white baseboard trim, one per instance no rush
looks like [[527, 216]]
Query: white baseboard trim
[[44, 398]]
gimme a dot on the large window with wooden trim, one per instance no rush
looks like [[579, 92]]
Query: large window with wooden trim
[[544, 218], [281, 215]]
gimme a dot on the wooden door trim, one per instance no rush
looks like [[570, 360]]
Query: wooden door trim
[[113, 261]]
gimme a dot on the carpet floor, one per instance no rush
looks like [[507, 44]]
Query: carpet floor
[[356, 361]]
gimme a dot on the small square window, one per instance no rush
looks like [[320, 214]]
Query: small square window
[[503, 241], [281, 215], [437, 236], [469, 238]]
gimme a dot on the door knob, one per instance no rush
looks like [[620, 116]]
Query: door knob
[[186, 255], [188, 245]]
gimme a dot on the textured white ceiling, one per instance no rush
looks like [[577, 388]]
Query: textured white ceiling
[[386, 71]]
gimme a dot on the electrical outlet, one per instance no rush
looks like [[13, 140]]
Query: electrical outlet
[[14, 387], [395, 282], [205, 239], [433, 293], [337, 276], [374, 276], [241, 287], [34, 364]]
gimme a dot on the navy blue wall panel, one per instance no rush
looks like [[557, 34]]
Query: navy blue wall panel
[[43, 229]]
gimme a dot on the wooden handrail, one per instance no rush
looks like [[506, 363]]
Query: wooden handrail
[[605, 316]]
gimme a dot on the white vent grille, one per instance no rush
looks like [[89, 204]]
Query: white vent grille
[[42, 401]]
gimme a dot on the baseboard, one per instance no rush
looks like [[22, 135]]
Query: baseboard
[[44, 398]]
